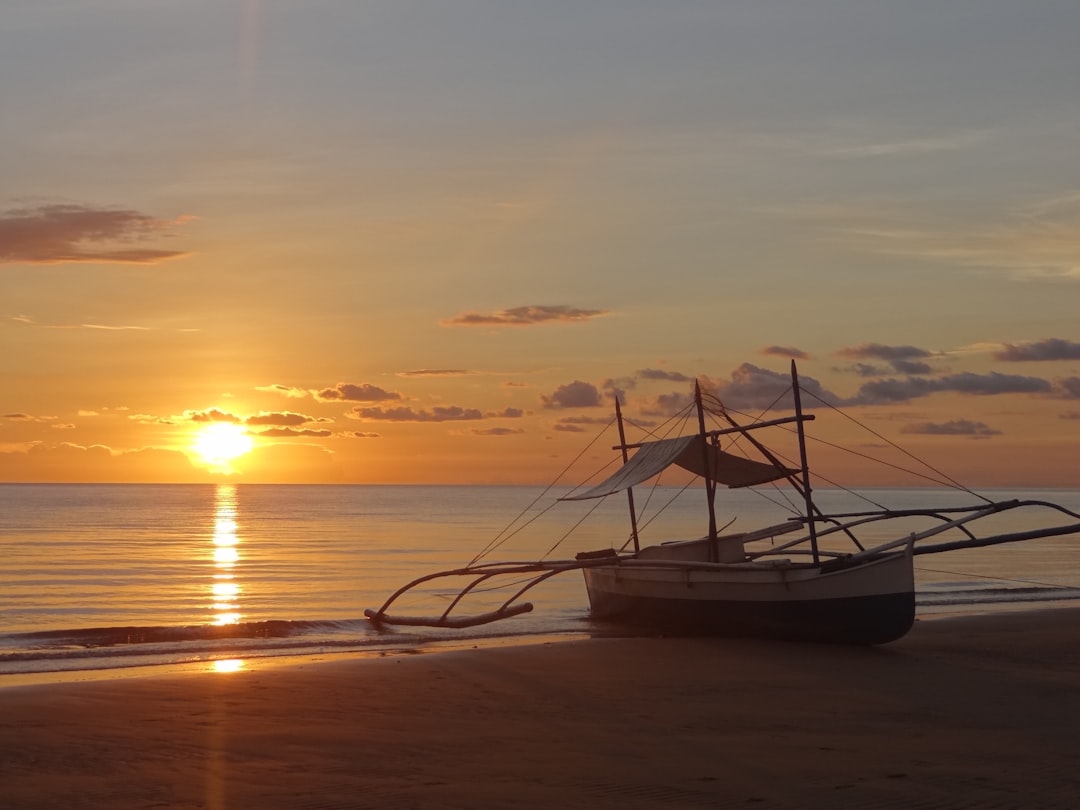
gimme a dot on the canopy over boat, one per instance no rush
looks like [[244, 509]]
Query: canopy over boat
[[691, 453]]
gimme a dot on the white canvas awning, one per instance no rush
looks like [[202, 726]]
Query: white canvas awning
[[652, 458]]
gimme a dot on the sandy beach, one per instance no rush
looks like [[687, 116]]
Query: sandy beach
[[963, 712]]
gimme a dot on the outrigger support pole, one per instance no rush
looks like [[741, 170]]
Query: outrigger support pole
[[805, 466], [629, 490], [710, 484]]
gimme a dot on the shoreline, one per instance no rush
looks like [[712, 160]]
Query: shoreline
[[974, 711], [228, 662]]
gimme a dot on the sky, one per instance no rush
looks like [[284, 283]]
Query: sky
[[428, 242]]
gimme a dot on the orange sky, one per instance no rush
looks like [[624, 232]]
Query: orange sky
[[427, 242]]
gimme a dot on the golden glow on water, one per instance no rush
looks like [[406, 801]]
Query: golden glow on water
[[225, 591], [228, 665], [226, 557]]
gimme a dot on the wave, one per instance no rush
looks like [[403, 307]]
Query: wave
[[961, 594], [111, 636], [99, 648]]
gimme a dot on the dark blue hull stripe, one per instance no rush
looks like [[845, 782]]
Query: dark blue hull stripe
[[874, 619]]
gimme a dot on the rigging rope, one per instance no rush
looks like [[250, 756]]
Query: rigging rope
[[997, 579], [499, 539], [948, 478]]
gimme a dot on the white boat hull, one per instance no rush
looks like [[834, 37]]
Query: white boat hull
[[871, 602]]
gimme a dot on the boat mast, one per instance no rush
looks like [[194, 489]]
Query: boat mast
[[805, 465], [710, 485], [629, 490]]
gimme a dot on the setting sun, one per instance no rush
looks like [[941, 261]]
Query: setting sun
[[221, 442]]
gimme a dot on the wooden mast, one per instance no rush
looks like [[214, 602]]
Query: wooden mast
[[629, 490], [805, 465], [710, 485]]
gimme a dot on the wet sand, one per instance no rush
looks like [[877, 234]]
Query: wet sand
[[963, 712]]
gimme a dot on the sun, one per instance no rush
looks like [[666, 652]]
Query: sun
[[221, 442]]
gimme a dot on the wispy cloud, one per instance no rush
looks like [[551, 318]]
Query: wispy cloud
[[1067, 387], [286, 432], [25, 319], [661, 374], [890, 391], [785, 351], [446, 413], [1032, 242], [436, 372], [526, 316], [284, 390], [883, 352], [496, 431], [955, 427], [910, 146], [1048, 349], [64, 233]]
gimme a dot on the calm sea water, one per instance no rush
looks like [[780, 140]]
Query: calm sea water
[[102, 576]]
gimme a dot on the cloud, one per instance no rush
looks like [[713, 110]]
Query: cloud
[[911, 367], [58, 426], [565, 428], [288, 432], [150, 419], [19, 417], [755, 388], [867, 370], [64, 233], [577, 394], [584, 420], [67, 462], [883, 392], [878, 351], [785, 351], [526, 316], [660, 374], [1067, 387], [496, 431], [1049, 349], [901, 359], [282, 419], [284, 390], [448, 413], [506, 413], [212, 415], [360, 434], [956, 427], [350, 392]]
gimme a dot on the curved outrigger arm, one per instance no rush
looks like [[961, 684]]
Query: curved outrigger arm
[[482, 573]]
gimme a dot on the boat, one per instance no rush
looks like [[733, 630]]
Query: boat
[[809, 578]]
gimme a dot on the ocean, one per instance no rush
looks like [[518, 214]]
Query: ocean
[[98, 577]]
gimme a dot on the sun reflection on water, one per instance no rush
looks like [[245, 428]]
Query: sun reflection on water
[[224, 590], [228, 665]]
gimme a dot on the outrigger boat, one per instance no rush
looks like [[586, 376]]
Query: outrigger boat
[[782, 581]]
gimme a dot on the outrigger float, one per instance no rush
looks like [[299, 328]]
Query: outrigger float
[[782, 581]]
